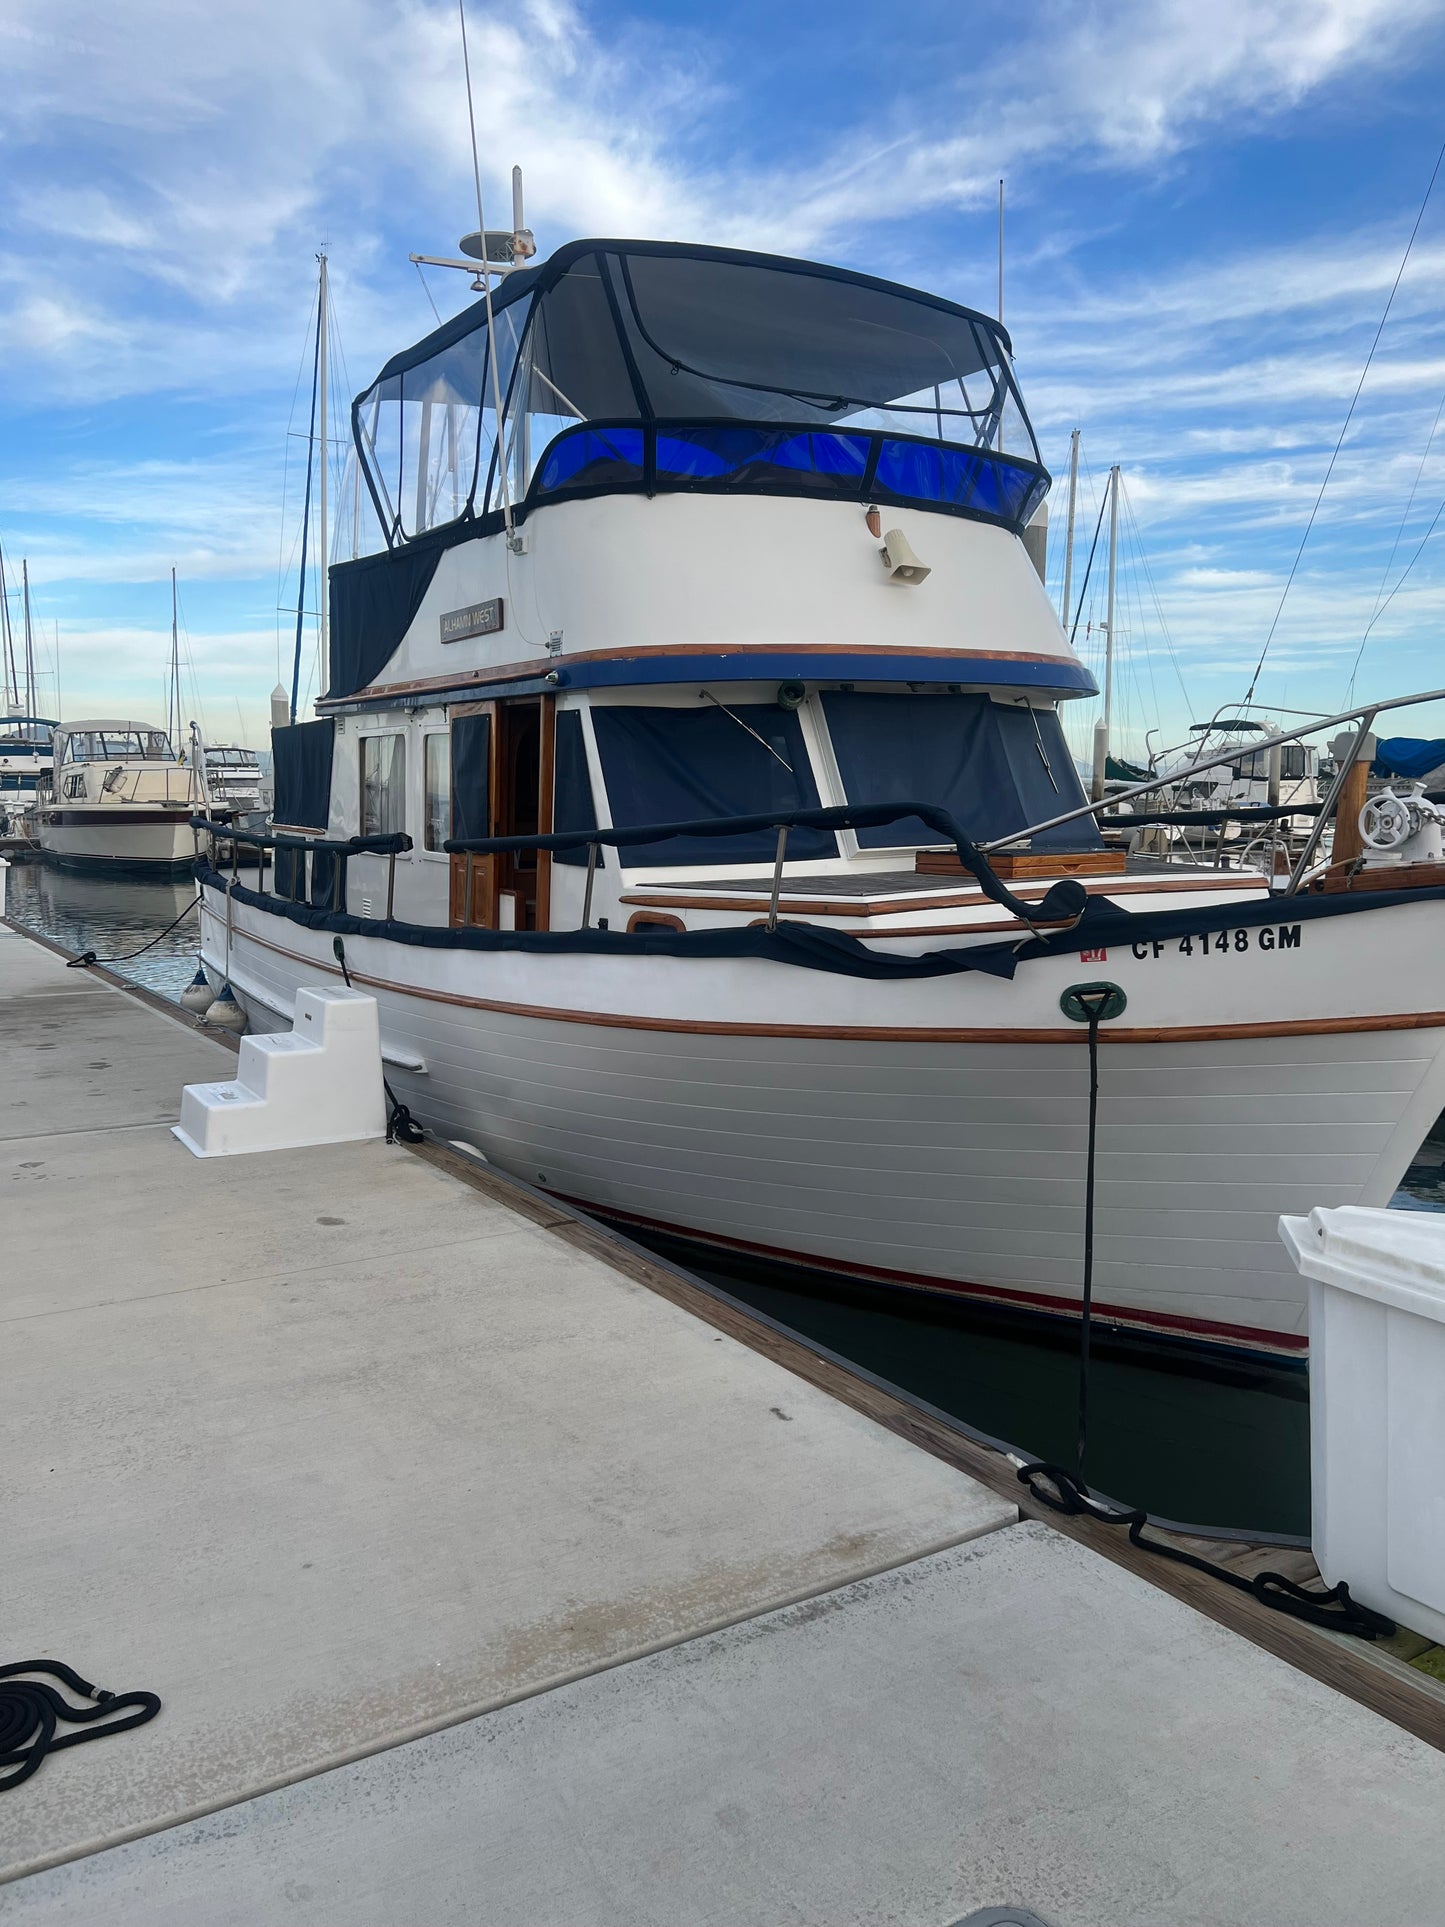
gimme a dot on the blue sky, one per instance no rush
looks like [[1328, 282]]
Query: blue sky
[[1207, 207]]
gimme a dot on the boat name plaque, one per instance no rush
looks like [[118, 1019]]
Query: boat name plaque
[[481, 619]]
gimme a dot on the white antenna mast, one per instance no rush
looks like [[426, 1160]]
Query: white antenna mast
[[1000, 250], [1002, 356]]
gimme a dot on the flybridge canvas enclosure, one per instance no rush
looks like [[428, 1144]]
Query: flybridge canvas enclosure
[[624, 331]]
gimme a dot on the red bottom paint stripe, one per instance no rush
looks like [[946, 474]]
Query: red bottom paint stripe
[[1163, 1323]]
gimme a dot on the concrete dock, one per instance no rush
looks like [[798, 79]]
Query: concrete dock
[[481, 1583]]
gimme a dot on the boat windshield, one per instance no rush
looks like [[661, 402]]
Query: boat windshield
[[649, 365], [25, 735], [117, 745]]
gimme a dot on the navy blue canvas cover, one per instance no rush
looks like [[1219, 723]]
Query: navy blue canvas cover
[[996, 767], [471, 776], [301, 764], [1407, 756], [665, 765], [572, 805], [373, 603]]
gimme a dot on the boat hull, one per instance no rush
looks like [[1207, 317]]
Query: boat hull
[[929, 1133], [122, 842]]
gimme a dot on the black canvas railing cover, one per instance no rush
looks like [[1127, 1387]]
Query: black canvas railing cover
[[311, 868], [1088, 922]]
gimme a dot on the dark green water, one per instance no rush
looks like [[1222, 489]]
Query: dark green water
[[1208, 1442]]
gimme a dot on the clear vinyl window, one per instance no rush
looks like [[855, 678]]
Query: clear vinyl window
[[436, 789], [383, 784]]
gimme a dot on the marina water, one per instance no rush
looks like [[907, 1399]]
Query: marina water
[[1212, 1441]]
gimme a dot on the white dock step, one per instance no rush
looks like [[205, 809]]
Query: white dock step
[[319, 1083]]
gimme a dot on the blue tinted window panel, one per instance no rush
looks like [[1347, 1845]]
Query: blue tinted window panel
[[592, 458], [752, 457], [982, 484]]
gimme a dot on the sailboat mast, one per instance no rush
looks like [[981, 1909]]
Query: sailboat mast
[[322, 345], [7, 662], [1069, 532], [173, 707], [1102, 728], [306, 517], [29, 641]]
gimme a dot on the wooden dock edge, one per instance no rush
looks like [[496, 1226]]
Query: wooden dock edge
[[1361, 1671]]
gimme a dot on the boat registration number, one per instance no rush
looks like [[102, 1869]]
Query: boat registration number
[[1219, 943]]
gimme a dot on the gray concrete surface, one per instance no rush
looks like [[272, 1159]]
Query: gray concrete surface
[[1012, 1721], [330, 1451], [78, 1054]]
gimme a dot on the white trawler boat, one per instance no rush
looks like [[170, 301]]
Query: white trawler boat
[[682, 536], [119, 801]]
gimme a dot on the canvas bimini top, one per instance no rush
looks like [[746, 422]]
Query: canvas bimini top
[[647, 366]]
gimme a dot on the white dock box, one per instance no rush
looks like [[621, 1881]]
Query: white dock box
[[1377, 1404]]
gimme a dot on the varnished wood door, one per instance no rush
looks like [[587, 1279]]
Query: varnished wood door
[[502, 751]]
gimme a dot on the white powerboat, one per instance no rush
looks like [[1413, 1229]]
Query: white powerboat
[[234, 782], [26, 759], [657, 712], [119, 802]]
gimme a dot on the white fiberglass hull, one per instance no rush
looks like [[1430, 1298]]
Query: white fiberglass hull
[[129, 838], [931, 1132]]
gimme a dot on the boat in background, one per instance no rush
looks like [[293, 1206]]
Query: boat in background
[[26, 762], [26, 739], [120, 801], [233, 780]]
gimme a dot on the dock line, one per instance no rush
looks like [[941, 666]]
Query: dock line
[[31, 1710], [88, 957], [1332, 1609]]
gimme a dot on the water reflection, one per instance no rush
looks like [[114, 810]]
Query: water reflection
[[110, 917]]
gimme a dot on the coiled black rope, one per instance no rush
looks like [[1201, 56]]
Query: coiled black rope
[[31, 1710], [1332, 1608], [89, 957], [399, 1121]]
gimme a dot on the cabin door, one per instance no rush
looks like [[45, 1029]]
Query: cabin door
[[502, 786]]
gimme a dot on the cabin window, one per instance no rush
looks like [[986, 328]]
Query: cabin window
[[995, 767], [1293, 764], [437, 789], [75, 785], [665, 765], [383, 784]]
